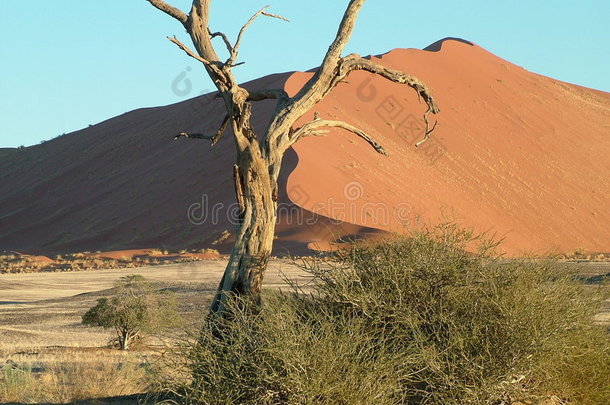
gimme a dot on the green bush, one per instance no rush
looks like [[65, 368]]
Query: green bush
[[136, 308], [417, 321]]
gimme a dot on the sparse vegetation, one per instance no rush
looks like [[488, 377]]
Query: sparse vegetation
[[73, 378], [135, 308], [367, 331], [581, 255], [14, 382], [50, 357], [12, 262], [409, 321]]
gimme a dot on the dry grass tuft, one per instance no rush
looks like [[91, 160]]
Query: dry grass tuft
[[12, 262], [73, 376]]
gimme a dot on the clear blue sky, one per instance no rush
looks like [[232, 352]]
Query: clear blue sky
[[65, 64]]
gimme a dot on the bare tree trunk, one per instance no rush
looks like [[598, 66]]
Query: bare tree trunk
[[259, 160], [123, 341], [125, 338], [256, 190]]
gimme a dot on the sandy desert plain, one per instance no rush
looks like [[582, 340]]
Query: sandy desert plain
[[41, 330]]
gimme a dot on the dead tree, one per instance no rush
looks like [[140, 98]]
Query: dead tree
[[259, 156]]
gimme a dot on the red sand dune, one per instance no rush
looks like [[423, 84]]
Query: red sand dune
[[520, 154]]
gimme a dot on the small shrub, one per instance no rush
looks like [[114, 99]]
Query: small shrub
[[210, 251], [136, 308]]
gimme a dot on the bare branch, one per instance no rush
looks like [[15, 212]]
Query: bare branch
[[308, 95], [347, 65], [266, 94], [170, 10], [211, 65], [189, 52], [192, 136], [313, 91], [221, 130], [312, 128], [355, 62], [214, 138], [279, 17], [343, 34], [243, 29], [200, 33], [428, 129], [196, 24], [224, 39]]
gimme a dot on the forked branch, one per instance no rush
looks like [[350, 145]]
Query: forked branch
[[313, 91], [354, 62], [211, 65], [235, 49], [189, 52], [225, 39]]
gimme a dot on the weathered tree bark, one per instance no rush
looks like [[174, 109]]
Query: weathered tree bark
[[256, 191], [259, 158]]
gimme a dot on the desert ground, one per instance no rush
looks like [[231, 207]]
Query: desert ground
[[43, 310], [41, 330]]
